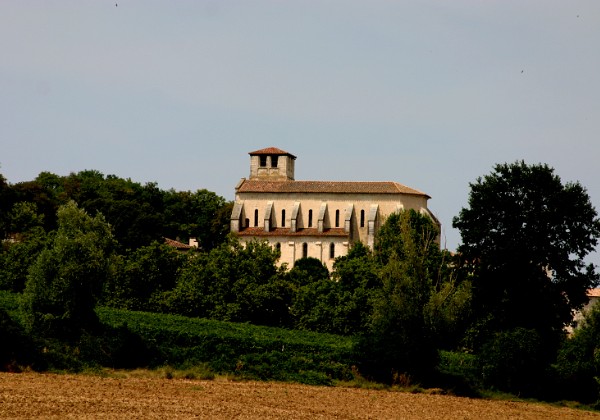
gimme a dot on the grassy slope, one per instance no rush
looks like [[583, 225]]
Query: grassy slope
[[140, 339]]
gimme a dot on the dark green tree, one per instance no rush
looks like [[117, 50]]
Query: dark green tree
[[234, 283], [578, 361], [315, 297], [143, 276], [29, 238], [65, 281], [525, 236], [17, 348], [203, 215], [44, 195], [6, 199], [356, 276], [418, 295]]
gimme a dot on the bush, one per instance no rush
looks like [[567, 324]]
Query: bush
[[513, 361], [16, 347]]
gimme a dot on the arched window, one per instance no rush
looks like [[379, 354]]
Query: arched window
[[332, 250], [310, 218], [247, 222], [304, 250], [278, 247], [362, 218], [283, 218], [255, 217], [337, 218]]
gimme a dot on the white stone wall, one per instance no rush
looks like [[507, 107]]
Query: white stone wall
[[387, 204], [291, 248]]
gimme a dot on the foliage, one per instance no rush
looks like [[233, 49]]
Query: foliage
[[24, 218], [340, 304], [578, 361], [139, 214], [142, 276], [27, 241], [510, 361], [357, 280], [313, 301], [525, 237], [403, 337], [66, 279], [233, 283], [16, 346], [19, 256], [244, 350], [203, 215], [5, 205]]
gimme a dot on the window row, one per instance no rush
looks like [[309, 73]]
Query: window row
[[305, 249], [310, 219]]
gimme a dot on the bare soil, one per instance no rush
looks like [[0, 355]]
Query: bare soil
[[50, 396]]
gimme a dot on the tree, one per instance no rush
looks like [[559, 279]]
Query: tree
[[525, 237], [5, 205], [203, 215], [143, 275], [26, 225], [578, 361], [66, 279], [416, 296], [233, 283]]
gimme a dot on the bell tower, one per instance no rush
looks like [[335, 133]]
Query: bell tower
[[271, 164]]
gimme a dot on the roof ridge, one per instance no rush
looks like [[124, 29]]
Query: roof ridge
[[383, 187], [271, 151]]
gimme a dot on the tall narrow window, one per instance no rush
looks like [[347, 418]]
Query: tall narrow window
[[274, 161], [283, 218], [278, 247], [332, 250], [337, 218], [304, 250], [362, 218], [263, 161], [255, 217], [310, 218], [247, 222]]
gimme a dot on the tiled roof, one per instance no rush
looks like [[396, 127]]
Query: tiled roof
[[593, 292], [271, 151], [177, 244], [258, 231], [345, 187]]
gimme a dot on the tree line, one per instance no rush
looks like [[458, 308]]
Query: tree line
[[138, 214], [505, 297]]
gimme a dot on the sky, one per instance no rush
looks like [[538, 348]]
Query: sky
[[430, 94]]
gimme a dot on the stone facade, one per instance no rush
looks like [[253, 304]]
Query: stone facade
[[319, 219]]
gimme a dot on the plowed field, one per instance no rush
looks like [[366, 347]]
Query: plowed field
[[48, 396]]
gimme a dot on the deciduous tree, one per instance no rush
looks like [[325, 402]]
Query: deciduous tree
[[66, 279], [417, 295], [525, 236]]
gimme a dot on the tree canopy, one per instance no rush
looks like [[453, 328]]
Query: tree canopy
[[139, 214], [419, 301], [66, 279], [525, 236]]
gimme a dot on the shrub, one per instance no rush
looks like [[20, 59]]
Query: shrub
[[513, 361]]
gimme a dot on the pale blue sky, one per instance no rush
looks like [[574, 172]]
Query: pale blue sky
[[430, 94]]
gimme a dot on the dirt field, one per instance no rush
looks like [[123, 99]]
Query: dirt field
[[30, 395]]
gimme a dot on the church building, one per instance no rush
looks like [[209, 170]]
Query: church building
[[320, 219]]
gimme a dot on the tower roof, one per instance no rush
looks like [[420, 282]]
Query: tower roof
[[271, 151]]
